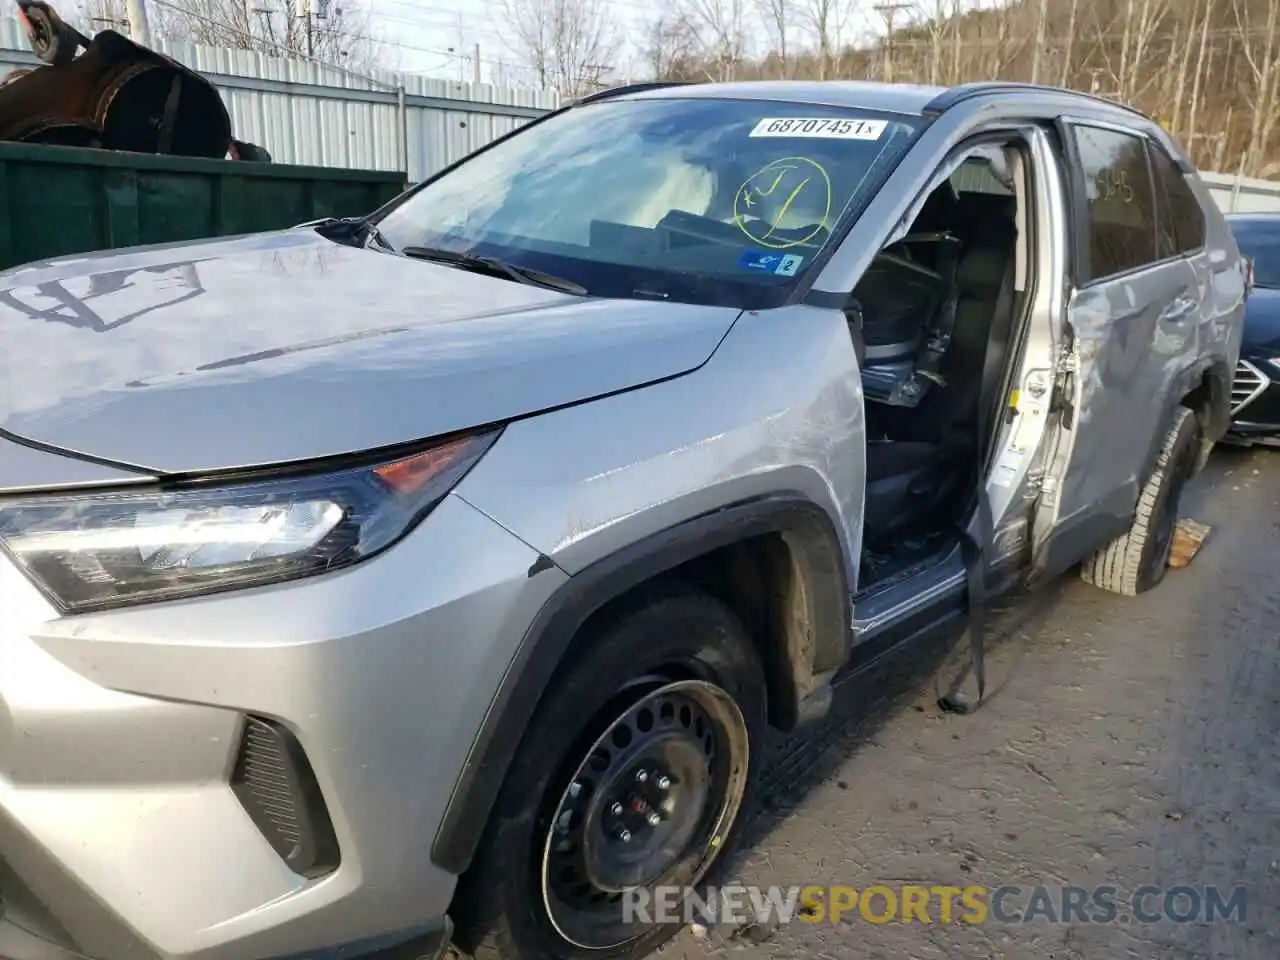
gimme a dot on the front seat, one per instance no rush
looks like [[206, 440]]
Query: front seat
[[931, 454]]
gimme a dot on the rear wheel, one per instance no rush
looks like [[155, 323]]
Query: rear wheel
[[1137, 561], [634, 773]]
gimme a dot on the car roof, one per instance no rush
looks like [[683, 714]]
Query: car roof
[[891, 97], [903, 98]]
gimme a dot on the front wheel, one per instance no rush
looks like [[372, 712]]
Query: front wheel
[[633, 775]]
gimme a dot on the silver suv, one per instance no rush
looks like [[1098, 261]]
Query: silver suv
[[436, 575]]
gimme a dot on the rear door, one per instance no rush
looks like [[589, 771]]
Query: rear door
[[1130, 321]]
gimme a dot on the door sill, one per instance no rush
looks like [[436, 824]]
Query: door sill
[[910, 602]]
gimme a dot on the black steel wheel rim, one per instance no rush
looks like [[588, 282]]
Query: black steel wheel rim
[[650, 804]]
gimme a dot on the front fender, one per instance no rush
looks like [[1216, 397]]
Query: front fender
[[766, 438], [815, 547]]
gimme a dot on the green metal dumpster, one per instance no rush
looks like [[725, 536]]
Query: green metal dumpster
[[56, 201]]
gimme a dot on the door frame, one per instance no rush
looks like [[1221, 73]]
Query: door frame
[[1058, 541], [883, 607]]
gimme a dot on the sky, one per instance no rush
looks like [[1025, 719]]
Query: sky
[[438, 37]]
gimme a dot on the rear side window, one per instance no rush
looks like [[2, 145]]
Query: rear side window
[[1120, 217], [1181, 221]]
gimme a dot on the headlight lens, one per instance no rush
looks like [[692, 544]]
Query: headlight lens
[[118, 548], [1275, 363]]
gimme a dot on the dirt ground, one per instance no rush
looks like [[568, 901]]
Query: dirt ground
[[1132, 742]]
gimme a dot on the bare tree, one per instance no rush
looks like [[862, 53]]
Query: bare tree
[[722, 27], [1037, 48], [671, 50], [568, 45], [778, 17], [1009, 43], [957, 19], [94, 16], [823, 18], [1202, 62], [1262, 55], [1070, 42], [936, 23], [1142, 19], [1208, 69], [271, 27]]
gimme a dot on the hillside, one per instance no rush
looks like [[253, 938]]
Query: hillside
[[1209, 70]]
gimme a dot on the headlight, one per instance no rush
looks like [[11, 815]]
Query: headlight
[[1275, 363], [111, 549]]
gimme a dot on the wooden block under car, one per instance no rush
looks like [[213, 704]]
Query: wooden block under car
[[1188, 537]]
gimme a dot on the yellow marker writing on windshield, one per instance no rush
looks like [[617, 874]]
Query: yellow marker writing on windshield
[[765, 182]]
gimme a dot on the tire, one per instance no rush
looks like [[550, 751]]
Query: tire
[[1137, 561], [650, 660]]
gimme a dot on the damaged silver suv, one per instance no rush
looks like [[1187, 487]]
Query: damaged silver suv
[[434, 577]]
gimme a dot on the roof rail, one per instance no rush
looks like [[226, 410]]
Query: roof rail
[[968, 91], [631, 88]]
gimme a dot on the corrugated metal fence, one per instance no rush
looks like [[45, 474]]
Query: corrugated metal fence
[[1243, 195], [310, 114]]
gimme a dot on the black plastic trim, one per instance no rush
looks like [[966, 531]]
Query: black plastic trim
[[75, 455], [314, 851], [990, 88], [1067, 153], [826, 299], [627, 88], [807, 527], [417, 945]]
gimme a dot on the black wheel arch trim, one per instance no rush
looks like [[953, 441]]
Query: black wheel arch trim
[[809, 530], [1213, 419]]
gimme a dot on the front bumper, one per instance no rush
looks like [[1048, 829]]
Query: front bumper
[[1255, 404], [122, 836]]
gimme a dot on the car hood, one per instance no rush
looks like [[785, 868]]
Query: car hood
[[1262, 321], [280, 347]]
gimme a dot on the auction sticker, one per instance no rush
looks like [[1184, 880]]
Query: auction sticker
[[782, 264], [820, 128]]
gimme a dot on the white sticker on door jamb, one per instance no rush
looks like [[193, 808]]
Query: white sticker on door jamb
[[1003, 474]]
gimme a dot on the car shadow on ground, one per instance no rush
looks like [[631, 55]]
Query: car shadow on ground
[[863, 705]]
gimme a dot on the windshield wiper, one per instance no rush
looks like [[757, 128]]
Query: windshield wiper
[[495, 267]]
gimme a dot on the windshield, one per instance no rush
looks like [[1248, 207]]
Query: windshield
[[699, 201], [1261, 243]]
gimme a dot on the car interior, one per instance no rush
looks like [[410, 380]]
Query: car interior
[[933, 324]]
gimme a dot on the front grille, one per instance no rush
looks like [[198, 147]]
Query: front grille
[[277, 788], [1248, 385]]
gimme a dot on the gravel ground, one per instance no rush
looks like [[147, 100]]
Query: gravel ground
[[1132, 742]]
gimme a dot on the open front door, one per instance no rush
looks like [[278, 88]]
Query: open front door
[[1029, 437], [1050, 554], [1060, 380]]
